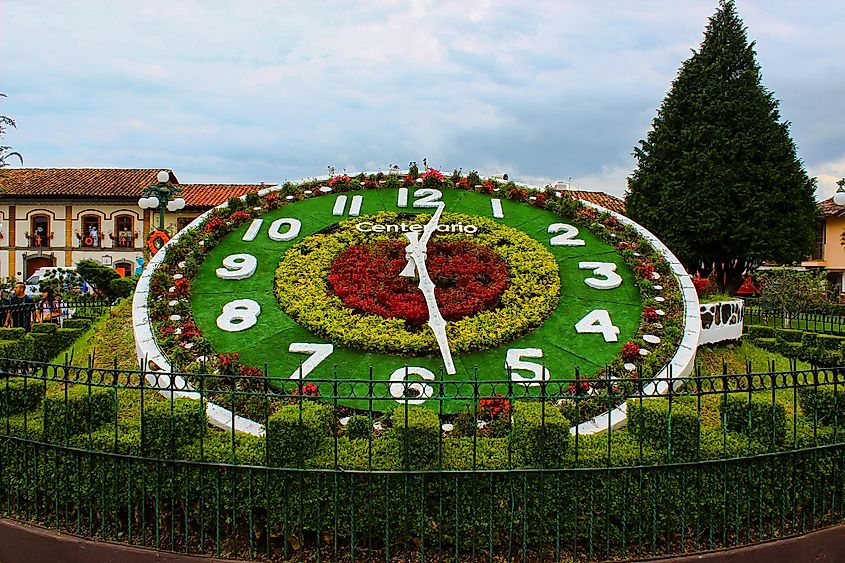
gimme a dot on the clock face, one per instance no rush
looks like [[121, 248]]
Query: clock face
[[416, 284]]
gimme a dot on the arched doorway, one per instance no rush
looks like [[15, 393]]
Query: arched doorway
[[123, 267], [35, 262]]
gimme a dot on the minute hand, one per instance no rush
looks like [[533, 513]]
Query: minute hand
[[416, 252]]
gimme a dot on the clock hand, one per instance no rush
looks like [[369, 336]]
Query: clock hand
[[416, 254]]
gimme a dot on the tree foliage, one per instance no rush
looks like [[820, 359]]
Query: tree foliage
[[717, 177], [792, 291], [6, 152], [107, 282]]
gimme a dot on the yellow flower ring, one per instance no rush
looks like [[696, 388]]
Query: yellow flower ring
[[304, 293]]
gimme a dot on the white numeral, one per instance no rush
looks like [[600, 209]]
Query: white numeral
[[402, 199], [427, 197], [567, 237], [319, 352], [419, 391], [253, 230], [237, 267], [598, 322], [244, 311], [497, 208], [611, 280], [514, 361], [354, 207], [293, 225]]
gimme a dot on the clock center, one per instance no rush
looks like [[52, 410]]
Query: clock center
[[469, 278]]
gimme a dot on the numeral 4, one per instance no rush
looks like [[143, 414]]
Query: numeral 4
[[514, 361], [598, 322], [607, 270], [319, 352], [566, 237]]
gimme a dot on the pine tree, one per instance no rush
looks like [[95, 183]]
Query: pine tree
[[717, 177]]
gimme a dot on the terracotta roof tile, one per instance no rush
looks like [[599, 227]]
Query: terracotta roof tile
[[598, 198], [830, 209], [76, 182], [211, 195]]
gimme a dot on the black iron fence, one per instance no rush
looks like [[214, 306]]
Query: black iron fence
[[345, 471], [824, 323]]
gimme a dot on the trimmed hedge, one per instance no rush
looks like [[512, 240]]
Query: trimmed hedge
[[540, 434], [756, 417], [297, 431], [20, 394], [417, 431], [823, 405], [77, 323], [759, 331], [673, 428], [170, 425], [84, 409]]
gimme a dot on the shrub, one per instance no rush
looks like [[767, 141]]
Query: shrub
[[11, 334], [359, 427], [417, 430], [789, 335], [540, 433], [759, 331], [672, 427], [297, 431], [84, 409], [823, 405], [121, 287], [169, 425], [19, 394], [77, 323], [755, 416]]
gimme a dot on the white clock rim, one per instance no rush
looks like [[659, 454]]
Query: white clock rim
[[169, 385]]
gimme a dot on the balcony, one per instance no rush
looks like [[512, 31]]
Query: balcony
[[90, 240], [124, 239], [39, 239]]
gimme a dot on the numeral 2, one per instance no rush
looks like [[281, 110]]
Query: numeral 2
[[565, 238]]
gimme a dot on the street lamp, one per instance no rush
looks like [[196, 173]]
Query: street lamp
[[839, 196], [161, 196]]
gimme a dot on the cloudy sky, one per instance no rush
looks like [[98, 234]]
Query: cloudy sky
[[254, 91]]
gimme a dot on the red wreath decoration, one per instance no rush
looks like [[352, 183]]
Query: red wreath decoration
[[156, 241]]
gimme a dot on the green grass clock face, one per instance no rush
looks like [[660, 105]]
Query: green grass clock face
[[353, 285]]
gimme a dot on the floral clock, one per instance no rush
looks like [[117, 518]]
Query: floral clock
[[425, 282]]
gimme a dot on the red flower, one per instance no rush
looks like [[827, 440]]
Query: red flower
[[701, 284], [539, 199], [645, 269], [189, 332], [610, 222], [308, 390], [215, 224], [495, 407], [630, 350], [468, 279], [432, 177], [342, 180], [272, 200], [650, 314], [581, 387], [487, 187], [183, 287], [239, 217], [251, 371]]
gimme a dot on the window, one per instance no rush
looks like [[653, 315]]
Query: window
[[39, 234], [91, 232], [818, 249], [123, 268], [123, 236]]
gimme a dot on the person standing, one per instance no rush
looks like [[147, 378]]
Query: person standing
[[21, 308]]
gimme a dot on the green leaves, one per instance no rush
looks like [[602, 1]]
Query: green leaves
[[717, 177]]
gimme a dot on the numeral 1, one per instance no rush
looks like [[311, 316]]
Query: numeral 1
[[497, 208], [253, 230], [354, 207]]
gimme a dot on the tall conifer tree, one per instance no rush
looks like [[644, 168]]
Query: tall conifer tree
[[717, 177]]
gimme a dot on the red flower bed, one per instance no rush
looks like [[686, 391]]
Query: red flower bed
[[630, 350], [468, 278], [495, 408]]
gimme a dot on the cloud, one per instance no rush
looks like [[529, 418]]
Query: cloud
[[251, 91]]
